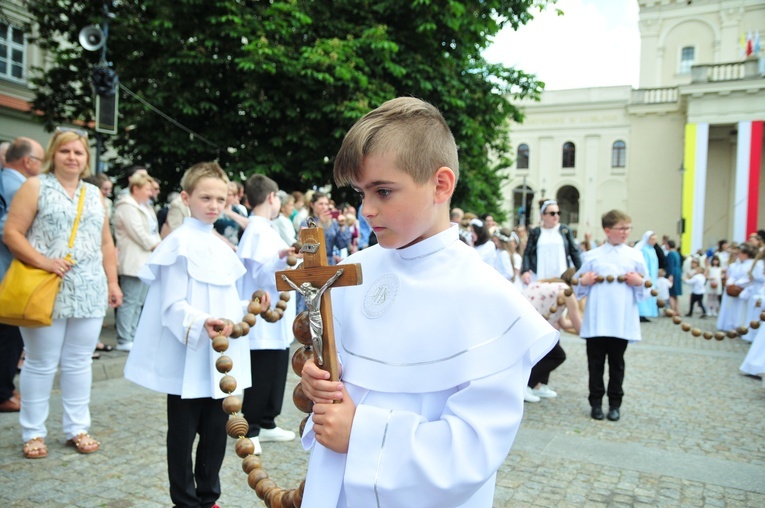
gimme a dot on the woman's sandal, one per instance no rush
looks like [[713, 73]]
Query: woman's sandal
[[35, 449], [104, 347], [84, 443]]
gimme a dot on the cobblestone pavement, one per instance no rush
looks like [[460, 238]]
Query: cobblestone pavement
[[692, 433]]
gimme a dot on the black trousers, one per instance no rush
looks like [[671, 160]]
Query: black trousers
[[263, 401], [540, 373], [598, 349], [185, 419], [11, 346], [697, 299]]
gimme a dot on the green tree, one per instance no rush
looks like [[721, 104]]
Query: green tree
[[272, 86]]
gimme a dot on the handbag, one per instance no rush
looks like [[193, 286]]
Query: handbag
[[27, 294], [733, 290]]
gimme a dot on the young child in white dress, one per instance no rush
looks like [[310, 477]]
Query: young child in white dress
[[662, 286], [419, 423], [714, 285], [191, 277]]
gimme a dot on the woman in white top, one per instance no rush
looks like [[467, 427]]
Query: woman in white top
[[551, 248], [137, 234], [509, 260], [482, 241]]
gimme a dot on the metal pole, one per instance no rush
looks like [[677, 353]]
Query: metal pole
[[105, 29]]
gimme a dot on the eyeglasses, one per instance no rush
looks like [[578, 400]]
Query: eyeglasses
[[35, 158], [553, 214], [628, 228], [80, 132]]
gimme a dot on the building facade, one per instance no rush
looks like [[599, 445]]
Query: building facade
[[682, 154]]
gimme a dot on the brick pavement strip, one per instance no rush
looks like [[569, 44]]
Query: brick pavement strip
[[691, 434]]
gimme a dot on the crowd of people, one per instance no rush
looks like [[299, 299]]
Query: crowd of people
[[181, 274]]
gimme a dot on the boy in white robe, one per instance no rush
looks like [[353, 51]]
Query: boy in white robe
[[611, 317], [431, 389], [263, 252], [191, 277]]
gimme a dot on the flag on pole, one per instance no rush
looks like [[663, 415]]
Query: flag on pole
[[749, 47], [757, 43], [742, 44]]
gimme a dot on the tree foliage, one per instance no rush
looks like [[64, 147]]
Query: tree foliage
[[272, 86]]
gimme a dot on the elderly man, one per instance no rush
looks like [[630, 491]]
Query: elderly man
[[22, 160]]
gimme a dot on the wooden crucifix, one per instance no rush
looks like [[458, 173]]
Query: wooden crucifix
[[313, 279]]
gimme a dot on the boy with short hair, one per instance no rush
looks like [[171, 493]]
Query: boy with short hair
[[191, 277], [431, 392], [611, 318], [698, 283], [263, 252]]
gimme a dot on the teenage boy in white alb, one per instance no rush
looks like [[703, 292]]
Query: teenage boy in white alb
[[419, 422]]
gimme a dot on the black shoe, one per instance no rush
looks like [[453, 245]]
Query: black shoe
[[644, 319], [689, 315], [613, 414], [597, 413]]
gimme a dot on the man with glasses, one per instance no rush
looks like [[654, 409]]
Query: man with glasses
[[22, 160]]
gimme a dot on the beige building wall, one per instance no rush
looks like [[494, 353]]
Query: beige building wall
[[719, 89]]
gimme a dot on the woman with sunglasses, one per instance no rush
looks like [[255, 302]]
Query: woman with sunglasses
[[37, 232], [550, 249]]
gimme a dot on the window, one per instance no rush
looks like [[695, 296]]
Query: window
[[618, 154], [569, 154], [687, 57], [11, 52], [522, 162]]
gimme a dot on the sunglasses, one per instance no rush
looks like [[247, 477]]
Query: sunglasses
[[80, 132], [552, 213]]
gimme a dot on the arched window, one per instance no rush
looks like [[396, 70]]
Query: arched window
[[522, 162], [569, 154], [618, 154], [687, 59]]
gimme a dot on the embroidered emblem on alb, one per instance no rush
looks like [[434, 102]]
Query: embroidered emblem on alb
[[380, 296]]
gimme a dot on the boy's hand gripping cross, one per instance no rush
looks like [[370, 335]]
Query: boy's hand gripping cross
[[313, 280]]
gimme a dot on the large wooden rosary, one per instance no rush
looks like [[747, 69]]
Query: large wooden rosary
[[313, 328], [676, 319]]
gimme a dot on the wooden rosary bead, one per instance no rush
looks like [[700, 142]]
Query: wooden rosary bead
[[719, 335], [621, 278], [648, 284], [574, 281], [256, 476], [220, 343], [301, 400], [661, 303], [669, 312], [244, 447], [686, 327], [257, 296], [654, 292], [245, 328], [677, 320], [299, 358], [303, 423], [291, 260], [263, 487], [754, 325], [599, 278], [237, 426], [249, 318], [227, 384], [762, 316], [732, 334], [610, 278], [281, 304], [232, 404], [560, 300], [288, 500], [284, 296], [301, 488], [224, 364], [742, 330], [696, 332], [298, 502], [251, 462], [301, 329], [568, 292], [708, 335], [274, 498], [553, 310], [236, 331], [254, 307]]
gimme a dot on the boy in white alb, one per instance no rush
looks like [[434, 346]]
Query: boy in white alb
[[263, 252], [191, 277], [611, 318], [419, 423], [698, 283]]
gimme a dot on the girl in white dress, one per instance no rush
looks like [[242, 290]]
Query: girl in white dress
[[714, 286]]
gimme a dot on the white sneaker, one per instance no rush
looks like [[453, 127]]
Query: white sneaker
[[528, 396], [125, 346], [276, 434], [256, 443], [544, 392]]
